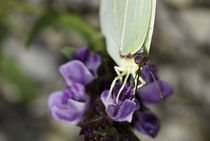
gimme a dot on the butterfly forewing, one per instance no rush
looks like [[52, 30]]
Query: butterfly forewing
[[144, 15], [127, 25], [111, 27], [151, 27]]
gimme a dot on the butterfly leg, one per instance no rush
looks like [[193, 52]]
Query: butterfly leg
[[123, 85], [114, 82], [139, 86], [142, 82], [118, 70]]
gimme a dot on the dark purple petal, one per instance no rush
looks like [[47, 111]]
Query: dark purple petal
[[147, 123], [137, 104], [124, 109], [82, 54], [93, 63], [112, 110], [126, 93], [125, 112], [150, 95], [146, 75], [76, 71]]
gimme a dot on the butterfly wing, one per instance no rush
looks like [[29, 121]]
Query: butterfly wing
[[126, 24], [148, 39], [136, 23], [111, 28]]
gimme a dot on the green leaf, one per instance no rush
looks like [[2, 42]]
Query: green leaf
[[45, 20], [68, 51], [10, 71], [77, 25], [49, 17], [73, 23]]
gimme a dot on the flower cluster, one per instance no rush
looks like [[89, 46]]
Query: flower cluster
[[71, 104], [102, 117], [124, 109], [136, 111]]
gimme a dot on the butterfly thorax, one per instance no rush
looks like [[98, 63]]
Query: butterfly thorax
[[128, 64], [135, 61], [141, 59]]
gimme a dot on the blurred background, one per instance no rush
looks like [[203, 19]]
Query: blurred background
[[37, 35]]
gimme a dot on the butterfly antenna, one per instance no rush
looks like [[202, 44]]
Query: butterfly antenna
[[161, 96]]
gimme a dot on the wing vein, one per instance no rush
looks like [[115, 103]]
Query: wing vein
[[123, 30], [139, 23]]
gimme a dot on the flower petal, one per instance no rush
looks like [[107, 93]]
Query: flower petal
[[82, 54], [104, 96], [68, 115], [126, 93], [80, 107], [150, 95], [93, 63], [55, 99], [77, 91], [76, 71], [73, 112], [125, 112], [146, 123], [112, 110], [146, 74], [121, 111]]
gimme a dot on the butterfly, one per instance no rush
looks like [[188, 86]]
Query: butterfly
[[128, 27]]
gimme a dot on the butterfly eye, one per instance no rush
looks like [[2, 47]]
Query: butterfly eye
[[141, 59]]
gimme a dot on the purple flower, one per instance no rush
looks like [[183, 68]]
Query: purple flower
[[91, 61], [69, 105], [76, 71], [123, 110], [146, 122], [83, 69], [146, 75], [149, 93]]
